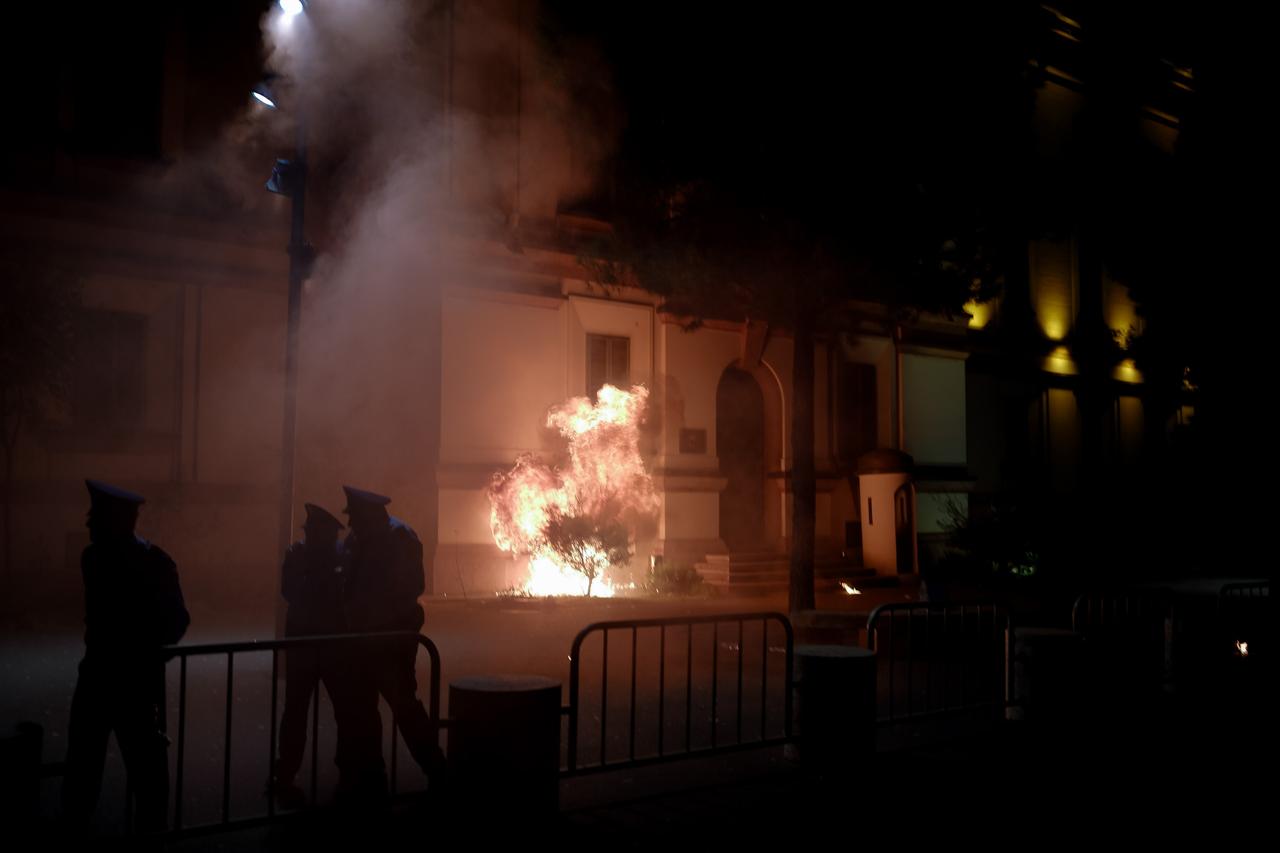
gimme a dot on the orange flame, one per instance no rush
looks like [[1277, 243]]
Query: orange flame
[[604, 478]]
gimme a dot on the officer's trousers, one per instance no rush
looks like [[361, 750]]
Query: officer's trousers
[[124, 699]]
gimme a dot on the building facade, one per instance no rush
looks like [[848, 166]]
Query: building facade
[[177, 382]]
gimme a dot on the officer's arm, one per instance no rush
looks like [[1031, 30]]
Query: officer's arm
[[171, 612], [416, 579], [89, 575], [409, 581]]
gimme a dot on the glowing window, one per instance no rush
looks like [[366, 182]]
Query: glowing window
[[608, 362]]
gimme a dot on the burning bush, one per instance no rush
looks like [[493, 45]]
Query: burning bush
[[588, 544], [574, 521]]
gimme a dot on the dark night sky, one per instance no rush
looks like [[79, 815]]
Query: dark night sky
[[801, 92], [695, 71], [103, 62]]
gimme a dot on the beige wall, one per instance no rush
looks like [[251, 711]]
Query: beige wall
[[694, 363], [502, 367], [205, 452], [241, 386], [690, 365]]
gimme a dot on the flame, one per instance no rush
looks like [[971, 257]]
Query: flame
[[1242, 649], [603, 479], [850, 590], [547, 576]]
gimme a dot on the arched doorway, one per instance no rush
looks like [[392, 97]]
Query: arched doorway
[[740, 447]]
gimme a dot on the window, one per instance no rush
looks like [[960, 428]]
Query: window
[[109, 373], [608, 362]]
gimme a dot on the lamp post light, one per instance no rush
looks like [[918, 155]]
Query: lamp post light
[[263, 94]]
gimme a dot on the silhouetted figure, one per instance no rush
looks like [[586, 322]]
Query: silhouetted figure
[[132, 606], [311, 582], [384, 581]]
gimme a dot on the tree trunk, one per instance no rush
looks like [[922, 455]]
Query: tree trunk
[[10, 439], [803, 489]]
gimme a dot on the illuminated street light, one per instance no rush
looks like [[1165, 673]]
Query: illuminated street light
[[265, 93]]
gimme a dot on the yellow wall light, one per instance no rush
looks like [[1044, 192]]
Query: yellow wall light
[[1059, 361], [1127, 371]]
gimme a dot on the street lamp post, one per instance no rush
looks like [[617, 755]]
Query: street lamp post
[[289, 178]]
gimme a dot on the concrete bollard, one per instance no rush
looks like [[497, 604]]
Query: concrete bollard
[[504, 743], [835, 707]]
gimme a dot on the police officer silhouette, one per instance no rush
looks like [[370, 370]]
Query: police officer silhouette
[[384, 580], [132, 607], [311, 583]]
